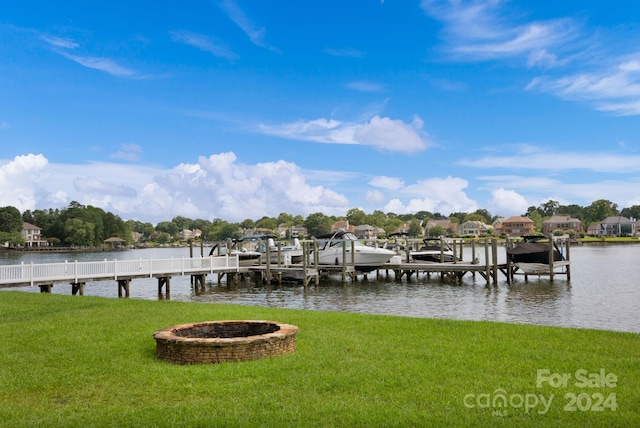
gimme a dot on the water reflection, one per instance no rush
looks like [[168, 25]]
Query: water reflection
[[604, 291]]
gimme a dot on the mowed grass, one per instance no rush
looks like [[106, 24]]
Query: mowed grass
[[87, 361]]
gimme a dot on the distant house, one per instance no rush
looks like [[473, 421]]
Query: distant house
[[618, 226], [344, 226], [561, 222], [366, 231], [450, 228], [185, 234], [404, 229], [595, 229], [517, 226], [474, 228], [32, 235]]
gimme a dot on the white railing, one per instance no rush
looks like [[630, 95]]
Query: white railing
[[76, 272]]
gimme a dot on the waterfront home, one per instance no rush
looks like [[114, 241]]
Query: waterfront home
[[32, 235], [450, 228], [561, 222], [343, 225], [517, 226], [474, 228], [616, 226], [366, 231]]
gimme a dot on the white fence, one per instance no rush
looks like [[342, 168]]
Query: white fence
[[77, 272]]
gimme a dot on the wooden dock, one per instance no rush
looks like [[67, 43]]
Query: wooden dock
[[77, 274]]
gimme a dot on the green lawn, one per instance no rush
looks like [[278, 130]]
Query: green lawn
[[89, 361]]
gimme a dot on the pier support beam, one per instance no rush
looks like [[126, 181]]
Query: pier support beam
[[123, 285], [198, 281], [45, 288], [77, 288], [164, 281]]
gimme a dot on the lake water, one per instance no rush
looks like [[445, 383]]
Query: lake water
[[604, 291]]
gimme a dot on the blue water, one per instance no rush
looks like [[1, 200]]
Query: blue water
[[604, 291]]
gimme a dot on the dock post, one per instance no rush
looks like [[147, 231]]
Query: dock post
[[494, 256], [568, 259], [77, 288], [123, 284], [509, 267], [268, 254], [305, 262], [164, 281], [551, 261], [45, 288], [486, 261], [198, 281]]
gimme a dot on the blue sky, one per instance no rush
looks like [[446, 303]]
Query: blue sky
[[238, 109]]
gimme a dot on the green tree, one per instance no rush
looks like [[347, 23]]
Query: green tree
[[168, 227], [488, 218], [317, 224], [549, 208], [435, 231], [415, 230], [392, 224], [537, 219], [601, 209], [475, 217], [356, 216], [248, 224], [11, 226], [458, 217], [631, 212], [182, 223], [10, 220], [267, 223], [79, 232], [573, 210], [377, 218], [423, 215], [285, 219]]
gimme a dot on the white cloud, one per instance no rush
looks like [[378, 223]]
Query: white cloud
[[60, 42], [129, 152], [19, 179], [529, 157], [374, 196], [442, 195], [507, 203], [237, 15], [613, 89], [481, 31], [204, 43], [380, 132], [66, 47], [215, 186], [390, 183]]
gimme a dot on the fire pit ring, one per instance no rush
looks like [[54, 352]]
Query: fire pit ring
[[213, 342]]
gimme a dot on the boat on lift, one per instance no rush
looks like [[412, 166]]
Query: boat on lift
[[532, 255], [434, 250], [332, 247]]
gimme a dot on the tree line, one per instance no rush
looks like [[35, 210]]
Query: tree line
[[85, 225]]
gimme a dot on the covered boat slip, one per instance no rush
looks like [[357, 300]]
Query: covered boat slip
[[539, 255]]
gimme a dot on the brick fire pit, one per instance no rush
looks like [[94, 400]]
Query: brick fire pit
[[224, 341]]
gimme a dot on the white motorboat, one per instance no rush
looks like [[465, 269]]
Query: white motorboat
[[434, 250], [246, 257], [264, 243], [332, 247]]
